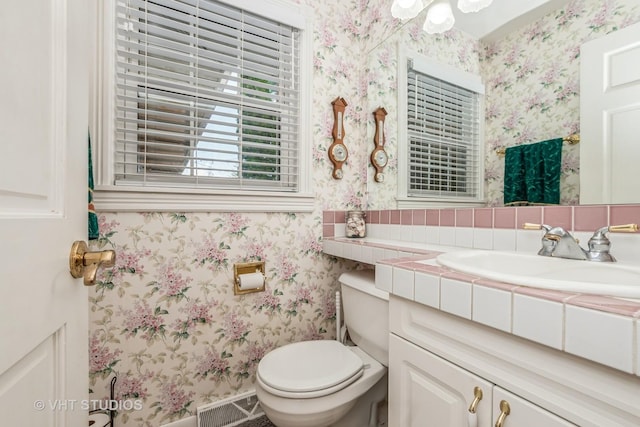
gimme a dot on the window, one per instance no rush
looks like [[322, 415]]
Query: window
[[208, 99], [443, 134]]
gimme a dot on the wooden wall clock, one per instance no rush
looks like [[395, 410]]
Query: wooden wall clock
[[379, 157], [338, 152]]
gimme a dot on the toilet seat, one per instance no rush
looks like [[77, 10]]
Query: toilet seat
[[309, 369]]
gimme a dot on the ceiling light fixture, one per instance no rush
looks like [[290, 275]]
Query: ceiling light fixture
[[467, 6], [439, 16], [407, 9]]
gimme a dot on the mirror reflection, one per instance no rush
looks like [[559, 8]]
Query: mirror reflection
[[532, 84]]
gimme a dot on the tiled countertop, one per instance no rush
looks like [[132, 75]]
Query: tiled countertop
[[602, 329]]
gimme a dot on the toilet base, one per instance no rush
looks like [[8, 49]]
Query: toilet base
[[325, 419], [364, 412], [356, 413]]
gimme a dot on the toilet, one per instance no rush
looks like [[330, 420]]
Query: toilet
[[327, 383]]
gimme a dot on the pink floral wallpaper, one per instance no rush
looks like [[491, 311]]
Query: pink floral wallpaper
[[532, 88], [532, 82], [165, 320], [453, 48]]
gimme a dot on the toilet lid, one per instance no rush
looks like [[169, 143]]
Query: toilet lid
[[310, 366]]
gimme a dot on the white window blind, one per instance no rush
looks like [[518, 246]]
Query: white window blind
[[207, 96], [443, 138]]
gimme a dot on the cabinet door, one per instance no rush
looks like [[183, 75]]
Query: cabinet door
[[523, 413], [425, 390]]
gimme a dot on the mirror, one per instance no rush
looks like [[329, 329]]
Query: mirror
[[532, 82]]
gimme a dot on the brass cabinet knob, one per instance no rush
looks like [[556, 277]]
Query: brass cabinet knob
[[505, 410], [472, 417], [477, 397]]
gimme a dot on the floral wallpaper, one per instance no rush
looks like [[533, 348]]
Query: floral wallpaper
[[453, 48], [532, 88], [532, 83], [165, 319]]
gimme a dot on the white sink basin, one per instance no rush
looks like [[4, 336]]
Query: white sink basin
[[614, 279]]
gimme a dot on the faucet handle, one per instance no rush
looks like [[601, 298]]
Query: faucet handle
[[626, 228], [530, 226], [548, 241], [599, 244], [599, 234]]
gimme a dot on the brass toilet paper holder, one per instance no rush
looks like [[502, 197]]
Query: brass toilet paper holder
[[247, 268]]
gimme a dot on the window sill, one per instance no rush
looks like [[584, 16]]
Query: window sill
[[112, 199]]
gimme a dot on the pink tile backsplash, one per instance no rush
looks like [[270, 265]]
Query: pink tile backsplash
[[504, 218], [394, 217], [572, 218], [447, 217], [373, 217], [464, 217], [528, 214], [384, 217], [419, 217], [483, 218], [433, 217], [559, 216], [590, 218], [627, 214], [328, 217], [406, 217]]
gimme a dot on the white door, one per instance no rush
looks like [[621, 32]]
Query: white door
[[610, 118], [427, 391], [43, 201]]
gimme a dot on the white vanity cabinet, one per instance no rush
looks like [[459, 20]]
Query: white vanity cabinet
[[523, 413], [426, 390], [436, 360]]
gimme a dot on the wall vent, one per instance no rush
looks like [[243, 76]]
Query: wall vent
[[239, 410]]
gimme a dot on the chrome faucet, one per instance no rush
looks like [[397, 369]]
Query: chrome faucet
[[557, 242], [599, 244]]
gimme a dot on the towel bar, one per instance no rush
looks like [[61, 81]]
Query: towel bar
[[571, 140]]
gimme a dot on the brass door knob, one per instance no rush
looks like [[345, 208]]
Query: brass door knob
[[83, 263]]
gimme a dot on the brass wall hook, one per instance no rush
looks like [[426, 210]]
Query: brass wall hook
[[83, 263]]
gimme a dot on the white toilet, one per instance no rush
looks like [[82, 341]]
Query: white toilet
[[327, 383]]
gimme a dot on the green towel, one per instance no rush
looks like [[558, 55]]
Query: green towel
[[93, 229], [532, 173]]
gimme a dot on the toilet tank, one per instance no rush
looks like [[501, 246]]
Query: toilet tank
[[366, 313]]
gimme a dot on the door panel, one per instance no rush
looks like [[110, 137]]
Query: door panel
[[610, 117], [37, 368], [524, 413], [43, 209], [429, 391]]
